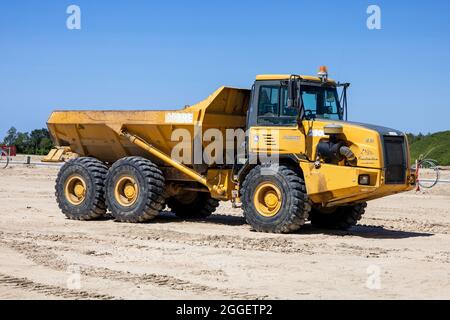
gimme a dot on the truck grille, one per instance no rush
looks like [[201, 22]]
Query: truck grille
[[395, 160]]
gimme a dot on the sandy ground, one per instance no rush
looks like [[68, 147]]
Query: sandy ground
[[401, 250]]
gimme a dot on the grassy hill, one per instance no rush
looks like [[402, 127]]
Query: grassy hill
[[436, 145]]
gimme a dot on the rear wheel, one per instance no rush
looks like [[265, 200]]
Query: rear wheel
[[191, 204], [341, 218], [80, 189], [134, 190], [274, 199]]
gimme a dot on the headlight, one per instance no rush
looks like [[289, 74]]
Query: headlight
[[364, 179]]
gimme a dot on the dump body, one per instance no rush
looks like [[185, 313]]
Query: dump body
[[98, 133]]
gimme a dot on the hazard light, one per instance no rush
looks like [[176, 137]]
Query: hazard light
[[323, 73]]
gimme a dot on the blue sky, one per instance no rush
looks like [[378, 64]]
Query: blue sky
[[166, 54]]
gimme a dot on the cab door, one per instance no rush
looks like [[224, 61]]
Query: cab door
[[273, 125]]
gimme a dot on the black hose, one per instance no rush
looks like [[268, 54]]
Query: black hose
[[348, 154]]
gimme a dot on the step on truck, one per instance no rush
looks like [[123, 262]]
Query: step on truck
[[283, 151]]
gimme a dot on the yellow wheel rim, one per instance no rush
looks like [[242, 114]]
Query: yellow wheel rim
[[267, 199], [126, 191], [75, 189]]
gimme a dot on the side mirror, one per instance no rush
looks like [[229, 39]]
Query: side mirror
[[292, 93]]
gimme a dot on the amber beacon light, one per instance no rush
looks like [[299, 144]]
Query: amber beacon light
[[323, 73]]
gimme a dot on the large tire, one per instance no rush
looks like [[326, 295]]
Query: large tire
[[340, 218], [80, 189], [192, 204], [134, 190], [290, 207]]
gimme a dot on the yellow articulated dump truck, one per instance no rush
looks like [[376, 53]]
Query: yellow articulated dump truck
[[283, 151]]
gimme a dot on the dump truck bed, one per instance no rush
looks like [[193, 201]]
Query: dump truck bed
[[98, 133]]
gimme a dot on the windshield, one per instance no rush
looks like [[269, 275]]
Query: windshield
[[320, 102]]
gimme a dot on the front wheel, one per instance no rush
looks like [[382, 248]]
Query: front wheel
[[274, 199], [341, 218]]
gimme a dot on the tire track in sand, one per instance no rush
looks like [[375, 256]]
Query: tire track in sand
[[44, 255], [50, 290]]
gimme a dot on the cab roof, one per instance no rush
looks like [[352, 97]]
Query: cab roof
[[287, 76]]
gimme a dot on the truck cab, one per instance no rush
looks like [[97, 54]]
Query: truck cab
[[302, 119]]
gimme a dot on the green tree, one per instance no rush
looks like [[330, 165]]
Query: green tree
[[39, 141], [45, 146], [36, 142], [22, 143], [411, 138], [11, 137]]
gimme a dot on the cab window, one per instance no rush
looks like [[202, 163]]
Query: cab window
[[269, 110], [269, 101], [320, 103]]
